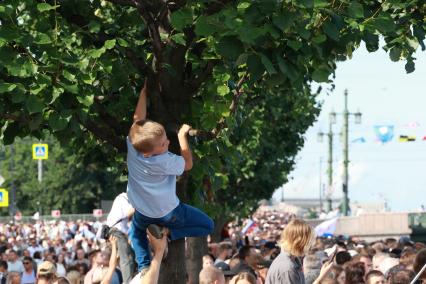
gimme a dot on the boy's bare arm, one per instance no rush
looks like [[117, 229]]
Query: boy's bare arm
[[185, 150], [140, 111]]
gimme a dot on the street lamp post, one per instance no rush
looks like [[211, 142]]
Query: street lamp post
[[345, 132]]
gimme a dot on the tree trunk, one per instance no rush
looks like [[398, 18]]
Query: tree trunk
[[195, 249], [219, 222], [173, 268]]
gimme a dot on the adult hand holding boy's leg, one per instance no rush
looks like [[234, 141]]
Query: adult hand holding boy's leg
[[185, 150], [159, 247]]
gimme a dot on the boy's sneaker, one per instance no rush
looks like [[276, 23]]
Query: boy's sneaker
[[156, 231]]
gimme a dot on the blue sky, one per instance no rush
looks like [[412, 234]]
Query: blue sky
[[385, 94]]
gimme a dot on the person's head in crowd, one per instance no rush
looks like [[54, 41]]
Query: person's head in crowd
[[79, 254], [61, 258], [364, 258], [207, 260], [62, 280], [419, 262], [391, 243], [74, 277], [311, 268], [28, 263], [12, 256], [234, 262], [297, 238], [14, 278], [402, 276], [3, 266], [354, 272], [46, 273], [224, 251], [375, 277], [211, 275], [407, 258], [82, 268], [342, 257], [95, 258], [33, 242], [26, 252], [244, 278], [379, 247], [248, 255], [37, 255]]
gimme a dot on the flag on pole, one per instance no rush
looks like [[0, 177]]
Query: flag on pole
[[384, 133], [326, 228], [406, 138]]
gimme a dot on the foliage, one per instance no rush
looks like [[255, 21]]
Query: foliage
[[69, 183]]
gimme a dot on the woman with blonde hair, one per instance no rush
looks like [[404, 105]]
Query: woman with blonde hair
[[296, 239]]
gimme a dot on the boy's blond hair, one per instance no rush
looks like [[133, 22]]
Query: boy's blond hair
[[297, 237], [144, 134]]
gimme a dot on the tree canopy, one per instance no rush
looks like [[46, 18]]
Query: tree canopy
[[240, 72]]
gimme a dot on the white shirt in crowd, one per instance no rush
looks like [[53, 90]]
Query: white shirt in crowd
[[16, 266], [119, 210]]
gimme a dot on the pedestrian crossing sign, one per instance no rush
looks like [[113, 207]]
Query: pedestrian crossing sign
[[40, 151], [4, 198]]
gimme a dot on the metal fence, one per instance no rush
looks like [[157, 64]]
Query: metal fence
[[64, 217]]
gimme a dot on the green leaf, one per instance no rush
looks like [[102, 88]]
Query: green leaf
[[410, 66], [287, 69], [268, 64], [122, 42], [255, 67], [294, 44], [331, 30], [96, 53], [34, 104], [205, 26], [284, 21], [321, 74], [42, 7], [230, 47], [72, 88], [321, 3], [109, 44], [384, 24], [304, 3], [56, 93], [356, 10], [94, 26], [70, 77], [395, 54], [56, 122], [222, 90], [42, 38], [182, 18], [179, 38], [6, 87], [86, 100]]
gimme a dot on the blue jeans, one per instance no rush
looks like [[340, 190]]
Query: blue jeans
[[183, 221]]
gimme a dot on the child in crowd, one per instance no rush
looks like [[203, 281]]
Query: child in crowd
[[151, 187]]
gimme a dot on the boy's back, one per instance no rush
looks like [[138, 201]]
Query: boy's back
[[152, 181]]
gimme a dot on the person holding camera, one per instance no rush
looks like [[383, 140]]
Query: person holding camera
[[117, 225]]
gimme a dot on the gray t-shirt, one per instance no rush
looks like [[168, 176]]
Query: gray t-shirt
[[285, 269], [151, 186]]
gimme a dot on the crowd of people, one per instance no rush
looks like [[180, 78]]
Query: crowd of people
[[271, 247]]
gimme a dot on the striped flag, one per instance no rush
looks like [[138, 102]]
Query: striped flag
[[406, 138]]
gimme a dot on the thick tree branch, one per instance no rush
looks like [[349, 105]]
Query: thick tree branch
[[105, 135], [123, 2], [205, 74], [153, 29]]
